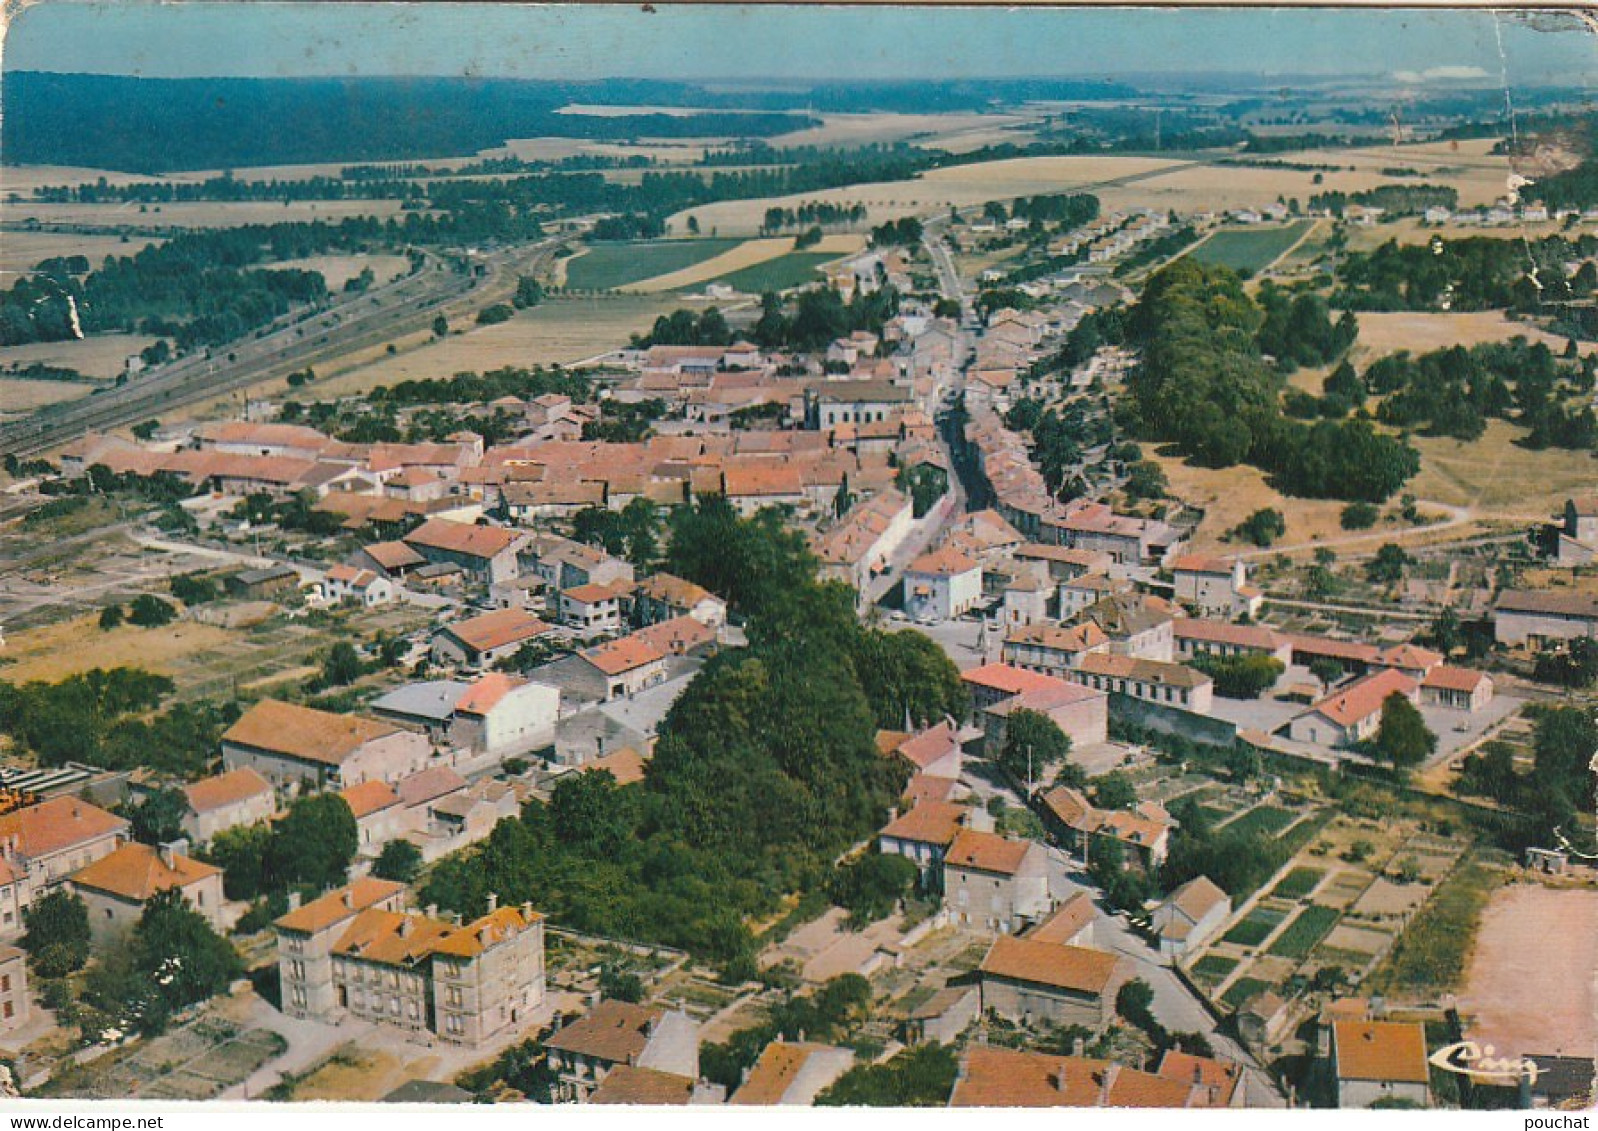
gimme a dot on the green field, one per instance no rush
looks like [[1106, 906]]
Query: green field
[[1266, 819], [1214, 967], [1303, 933], [1252, 931], [1247, 250], [607, 266], [1241, 990], [1298, 883], [792, 270]]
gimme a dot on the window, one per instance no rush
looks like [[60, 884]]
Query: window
[[5, 983]]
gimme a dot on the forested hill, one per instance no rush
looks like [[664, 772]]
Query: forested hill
[[165, 125]]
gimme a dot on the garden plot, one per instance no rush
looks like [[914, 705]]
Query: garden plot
[[1343, 889], [1385, 899], [1359, 939], [1255, 927]]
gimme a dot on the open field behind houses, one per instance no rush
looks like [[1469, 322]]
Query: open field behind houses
[[99, 355], [20, 396], [1494, 473], [747, 256], [1250, 250], [795, 269], [608, 266], [340, 269], [1422, 332]]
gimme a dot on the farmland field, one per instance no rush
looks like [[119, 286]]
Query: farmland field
[[792, 270], [1252, 930], [1305, 931], [1267, 819], [24, 396], [99, 355], [340, 269], [1214, 967], [1298, 883], [1241, 990], [606, 266], [22, 251], [197, 214], [1249, 250]]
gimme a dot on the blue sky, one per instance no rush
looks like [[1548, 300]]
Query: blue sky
[[787, 42]]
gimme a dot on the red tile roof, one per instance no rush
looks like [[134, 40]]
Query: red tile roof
[[57, 824], [339, 904], [304, 732], [137, 871], [463, 538], [1392, 1051], [368, 797], [1365, 698], [498, 629], [226, 789], [1449, 678], [1009, 679], [987, 852], [1080, 969], [930, 822]]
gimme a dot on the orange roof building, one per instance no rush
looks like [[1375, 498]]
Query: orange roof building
[[1379, 1060], [291, 745], [115, 888], [999, 1077], [792, 1073], [47, 841]]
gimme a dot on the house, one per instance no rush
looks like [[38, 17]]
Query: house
[[260, 584], [365, 587], [1215, 586], [1540, 619], [1262, 1020], [390, 559], [379, 816], [623, 667], [302, 748], [941, 585], [468, 815], [615, 1033], [1459, 689], [1196, 636], [44, 844], [1190, 916], [935, 751], [115, 888], [1379, 1060], [484, 640], [486, 553], [1080, 592], [1137, 625], [354, 953], [225, 801], [857, 549], [561, 563], [428, 1092], [994, 683], [593, 610], [504, 714], [792, 1073], [662, 597], [995, 883], [1053, 649], [1063, 562], [16, 893], [627, 765], [944, 1015], [1411, 659], [15, 1005], [647, 1087], [831, 403], [1070, 925], [1143, 832], [1218, 1083], [924, 833], [1082, 714], [1354, 714], [1031, 982], [1174, 685], [995, 1077], [1577, 543]]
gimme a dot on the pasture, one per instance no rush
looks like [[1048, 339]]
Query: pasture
[[1250, 250], [22, 251], [100, 355], [340, 269], [610, 266], [195, 214]]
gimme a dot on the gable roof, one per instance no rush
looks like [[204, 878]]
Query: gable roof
[[614, 1031], [368, 797], [942, 563], [463, 538], [497, 629], [428, 785], [624, 655], [484, 695], [339, 904], [1393, 1051], [775, 1072], [999, 1077], [1222, 1076], [277, 727], [625, 765], [226, 789], [1008, 679], [137, 871], [1067, 922], [642, 1087], [1364, 698], [930, 746], [987, 852], [1079, 969], [56, 824], [930, 822], [1197, 897]]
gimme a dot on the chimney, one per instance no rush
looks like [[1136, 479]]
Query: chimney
[[1078, 1047], [484, 937], [893, 813], [431, 911], [493, 902], [527, 911], [1106, 1082], [347, 898], [168, 854], [1198, 1074], [1059, 1079], [294, 901], [407, 927]]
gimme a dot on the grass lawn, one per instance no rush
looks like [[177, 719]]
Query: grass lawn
[[1252, 930], [1247, 250], [606, 266], [792, 270], [1214, 967], [1298, 883], [1213, 815], [1266, 819], [1303, 933], [1243, 989]]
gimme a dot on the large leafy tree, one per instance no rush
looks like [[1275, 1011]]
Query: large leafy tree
[[159, 817], [313, 843], [56, 934], [1402, 737], [1033, 745]]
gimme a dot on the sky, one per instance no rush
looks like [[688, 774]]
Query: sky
[[787, 42]]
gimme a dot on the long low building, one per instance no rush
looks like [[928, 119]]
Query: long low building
[[1541, 619], [1174, 685]]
